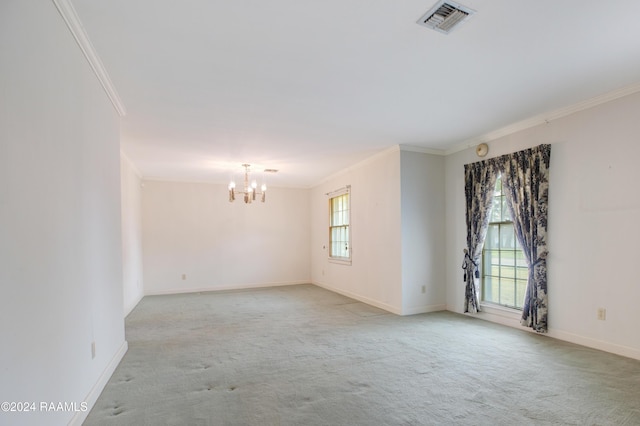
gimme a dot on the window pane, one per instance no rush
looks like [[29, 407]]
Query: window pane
[[495, 260], [495, 210], [507, 237], [339, 211], [486, 263], [339, 241], [507, 271], [507, 291], [507, 258], [521, 287], [522, 273], [506, 215], [487, 290], [336, 215], [492, 240]]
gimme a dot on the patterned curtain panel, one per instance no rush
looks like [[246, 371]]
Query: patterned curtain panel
[[480, 180], [525, 179]]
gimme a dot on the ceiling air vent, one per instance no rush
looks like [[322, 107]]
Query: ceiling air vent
[[445, 15]]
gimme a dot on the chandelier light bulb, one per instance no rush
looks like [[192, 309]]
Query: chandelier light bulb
[[264, 187], [232, 191]]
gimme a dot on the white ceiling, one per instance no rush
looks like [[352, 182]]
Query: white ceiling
[[312, 87]]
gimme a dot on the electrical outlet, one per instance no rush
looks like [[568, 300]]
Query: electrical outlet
[[602, 314], [184, 276], [93, 350], [424, 289]]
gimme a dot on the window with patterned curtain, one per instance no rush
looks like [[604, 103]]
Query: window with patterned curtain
[[521, 227]]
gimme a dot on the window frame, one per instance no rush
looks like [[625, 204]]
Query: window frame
[[518, 260], [345, 260]]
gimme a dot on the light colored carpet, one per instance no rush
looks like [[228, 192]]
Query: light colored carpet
[[301, 355]]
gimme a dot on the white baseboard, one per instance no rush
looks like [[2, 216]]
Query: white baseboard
[[503, 317], [97, 389], [595, 344], [131, 307], [221, 288], [368, 301], [424, 309]]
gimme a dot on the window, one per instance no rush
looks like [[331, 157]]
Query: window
[[339, 235], [504, 268]]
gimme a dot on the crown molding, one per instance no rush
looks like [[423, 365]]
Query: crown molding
[[545, 118], [68, 13], [422, 150], [359, 164], [378, 155]]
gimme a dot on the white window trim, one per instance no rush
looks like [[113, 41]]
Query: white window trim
[[340, 260], [500, 314], [494, 308]]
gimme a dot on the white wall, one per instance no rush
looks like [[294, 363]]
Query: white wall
[[132, 279], [594, 224], [60, 245], [375, 273], [192, 229], [423, 232]]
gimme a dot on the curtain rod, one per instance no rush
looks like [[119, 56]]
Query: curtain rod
[[343, 189]]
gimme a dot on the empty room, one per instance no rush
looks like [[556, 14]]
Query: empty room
[[319, 213]]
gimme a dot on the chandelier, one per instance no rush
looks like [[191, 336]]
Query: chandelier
[[249, 190]]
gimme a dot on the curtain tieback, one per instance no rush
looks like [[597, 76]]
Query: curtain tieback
[[466, 265], [540, 259]]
